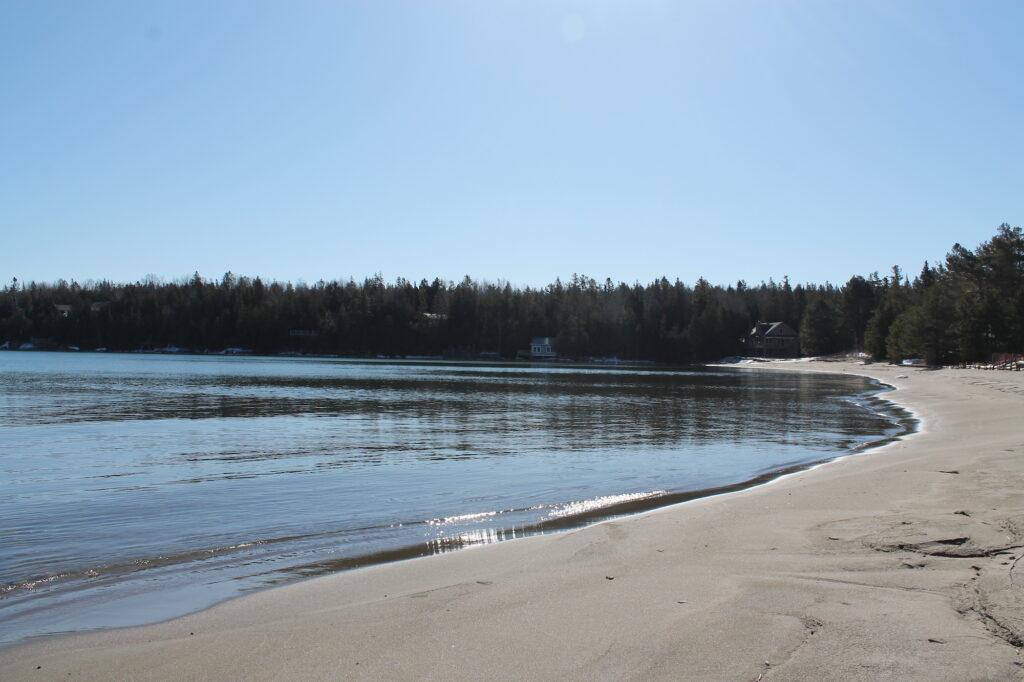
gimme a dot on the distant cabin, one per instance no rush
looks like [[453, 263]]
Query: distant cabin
[[542, 347], [773, 340]]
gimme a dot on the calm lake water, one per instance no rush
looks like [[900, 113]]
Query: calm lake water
[[134, 488]]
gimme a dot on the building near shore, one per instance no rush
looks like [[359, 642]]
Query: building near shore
[[542, 347], [773, 340]]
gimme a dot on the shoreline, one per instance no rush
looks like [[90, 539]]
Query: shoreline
[[811, 577], [868, 398]]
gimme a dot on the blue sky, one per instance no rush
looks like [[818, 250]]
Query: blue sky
[[507, 140]]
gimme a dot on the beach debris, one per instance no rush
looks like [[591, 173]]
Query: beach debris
[[812, 624], [952, 548], [680, 602], [951, 471], [832, 538], [961, 512], [609, 577], [936, 640]]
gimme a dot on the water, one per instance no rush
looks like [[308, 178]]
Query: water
[[134, 488]]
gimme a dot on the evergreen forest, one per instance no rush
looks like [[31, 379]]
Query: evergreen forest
[[962, 310]]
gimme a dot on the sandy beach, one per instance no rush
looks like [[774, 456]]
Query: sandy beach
[[895, 564]]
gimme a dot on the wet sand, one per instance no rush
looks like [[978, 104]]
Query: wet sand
[[896, 564]]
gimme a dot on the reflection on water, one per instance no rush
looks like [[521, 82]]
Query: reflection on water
[[139, 487], [480, 536]]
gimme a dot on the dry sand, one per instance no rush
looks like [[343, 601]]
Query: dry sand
[[896, 564]]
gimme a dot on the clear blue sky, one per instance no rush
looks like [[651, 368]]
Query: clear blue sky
[[508, 140]]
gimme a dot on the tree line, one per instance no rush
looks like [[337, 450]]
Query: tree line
[[962, 310]]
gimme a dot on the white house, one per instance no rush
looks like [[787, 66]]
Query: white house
[[543, 347]]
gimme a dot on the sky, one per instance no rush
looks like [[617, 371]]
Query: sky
[[513, 141]]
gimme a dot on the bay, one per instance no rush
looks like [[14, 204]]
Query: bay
[[137, 487]]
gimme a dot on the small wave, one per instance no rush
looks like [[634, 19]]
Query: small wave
[[461, 517], [128, 566], [31, 584], [585, 506]]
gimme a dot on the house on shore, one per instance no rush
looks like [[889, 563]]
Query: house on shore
[[773, 340], [543, 348]]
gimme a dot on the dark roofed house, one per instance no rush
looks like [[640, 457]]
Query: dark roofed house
[[773, 340]]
